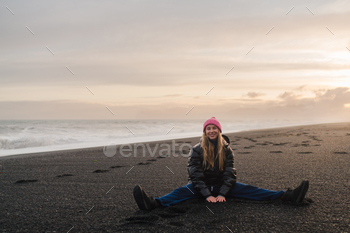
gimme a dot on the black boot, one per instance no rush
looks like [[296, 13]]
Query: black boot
[[297, 195], [143, 201]]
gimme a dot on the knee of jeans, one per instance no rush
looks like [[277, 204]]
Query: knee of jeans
[[182, 191]]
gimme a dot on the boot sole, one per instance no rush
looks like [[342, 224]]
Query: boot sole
[[139, 197], [304, 188]]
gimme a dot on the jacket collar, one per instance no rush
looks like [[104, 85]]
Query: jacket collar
[[226, 140]]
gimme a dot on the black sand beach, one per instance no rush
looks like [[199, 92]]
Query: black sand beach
[[83, 190]]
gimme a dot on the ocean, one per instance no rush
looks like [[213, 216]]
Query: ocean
[[30, 136]]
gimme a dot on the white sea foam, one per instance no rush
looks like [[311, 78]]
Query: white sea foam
[[29, 136]]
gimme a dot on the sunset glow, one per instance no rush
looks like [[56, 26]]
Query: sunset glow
[[142, 57]]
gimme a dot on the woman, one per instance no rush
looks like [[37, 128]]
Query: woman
[[212, 176]]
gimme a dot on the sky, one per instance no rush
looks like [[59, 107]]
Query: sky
[[175, 60]]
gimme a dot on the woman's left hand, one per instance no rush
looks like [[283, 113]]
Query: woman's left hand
[[220, 199]]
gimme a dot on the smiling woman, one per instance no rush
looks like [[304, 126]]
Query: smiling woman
[[212, 176]]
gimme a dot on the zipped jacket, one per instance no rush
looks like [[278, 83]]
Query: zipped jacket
[[202, 179]]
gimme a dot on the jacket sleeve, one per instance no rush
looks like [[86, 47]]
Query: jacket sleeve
[[195, 172], [229, 176]]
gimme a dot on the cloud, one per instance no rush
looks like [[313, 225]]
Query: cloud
[[137, 49], [300, 88], [289, 95], [327, 105], [334, 98], [253, 94], [249, 100], [115, 43]]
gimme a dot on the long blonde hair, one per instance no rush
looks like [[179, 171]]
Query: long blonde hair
[[209, 156]]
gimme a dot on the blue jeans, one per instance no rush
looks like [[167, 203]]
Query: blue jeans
[[239, 190]]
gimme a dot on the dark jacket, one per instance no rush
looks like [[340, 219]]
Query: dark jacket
[[201, 178]]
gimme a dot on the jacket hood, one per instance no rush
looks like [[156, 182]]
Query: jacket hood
[[226, 138]]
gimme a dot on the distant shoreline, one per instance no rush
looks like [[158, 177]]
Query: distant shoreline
[[163, 138]]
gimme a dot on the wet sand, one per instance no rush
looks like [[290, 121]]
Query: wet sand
[[84, 190]]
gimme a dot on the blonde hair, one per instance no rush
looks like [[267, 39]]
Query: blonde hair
[[208, 155]]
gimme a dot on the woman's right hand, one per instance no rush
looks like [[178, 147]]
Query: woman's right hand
[[211, 199]]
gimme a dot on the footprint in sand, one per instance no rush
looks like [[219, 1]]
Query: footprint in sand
[[150, 218], [144, 220], [100, 171], [140, 222], [340, 152], [64, 175], [315, 138], [116, 166], [25, 181], [280, 144], [146, 163], [250, 139]]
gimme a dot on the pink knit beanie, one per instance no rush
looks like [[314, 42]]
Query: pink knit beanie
[[212, 121]]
